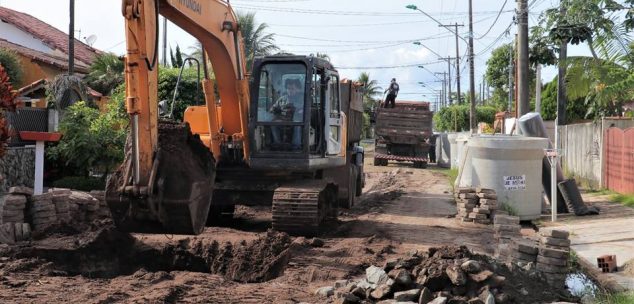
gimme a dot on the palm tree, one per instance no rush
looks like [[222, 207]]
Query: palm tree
[[372, 90], [106, 73], [256, 41]]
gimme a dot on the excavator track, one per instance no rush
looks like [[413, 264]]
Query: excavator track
[[302, 207], [178, 198]]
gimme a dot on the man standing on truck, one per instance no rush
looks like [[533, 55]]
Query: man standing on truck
[[391, 91]]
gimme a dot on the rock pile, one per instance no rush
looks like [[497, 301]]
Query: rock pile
[[476, 204], [442, 275], [554, 251], [60, 199], [12, 205]]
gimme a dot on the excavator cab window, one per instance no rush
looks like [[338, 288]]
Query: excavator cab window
[[281, 107]]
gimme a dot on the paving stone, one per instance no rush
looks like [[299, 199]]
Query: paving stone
[[505, 228], [481, 210], [21, 190], [506, 220], [545, 268], [466, 220], [531, 249], [35, 208], [465, 190], [474, 215], [13, 199], [485, 190], [553, 253], [557, 234], [488, 196], [42, 197], [468, 196], [555, 242], [525, 257], [552, 261], [483, 221]]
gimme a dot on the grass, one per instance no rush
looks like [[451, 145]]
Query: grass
[[624, 199], [617, 298]]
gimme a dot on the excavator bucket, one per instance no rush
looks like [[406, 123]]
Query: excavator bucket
[[178, 198]]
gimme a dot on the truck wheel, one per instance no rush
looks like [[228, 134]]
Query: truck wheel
[[384, 162], [359, 189], [420, 164], [377, 162]]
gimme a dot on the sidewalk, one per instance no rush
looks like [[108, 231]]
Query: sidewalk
[[610, 233]]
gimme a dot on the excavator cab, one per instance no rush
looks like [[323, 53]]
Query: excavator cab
[[295, 115]]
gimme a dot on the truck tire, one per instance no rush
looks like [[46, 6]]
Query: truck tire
[[420, 164], [351, 195], [377, 162], [359, 189]]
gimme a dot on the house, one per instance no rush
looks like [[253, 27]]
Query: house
[[43, 53]]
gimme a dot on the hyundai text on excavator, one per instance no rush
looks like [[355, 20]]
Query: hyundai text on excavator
[[287, 136]]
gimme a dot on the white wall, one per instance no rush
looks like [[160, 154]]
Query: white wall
[[15, 35]]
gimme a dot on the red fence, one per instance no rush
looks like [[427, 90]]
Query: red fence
[[618, 159]]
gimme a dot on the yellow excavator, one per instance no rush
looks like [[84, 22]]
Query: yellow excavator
[[278, 135]]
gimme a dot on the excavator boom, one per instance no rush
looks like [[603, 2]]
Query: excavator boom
[[166, 181]]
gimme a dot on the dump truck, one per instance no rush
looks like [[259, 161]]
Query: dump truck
[[402, 134]]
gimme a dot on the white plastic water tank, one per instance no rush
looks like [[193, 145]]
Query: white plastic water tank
[[512, 166]]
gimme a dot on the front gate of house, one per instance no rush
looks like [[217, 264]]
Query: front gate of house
[[618, 160]]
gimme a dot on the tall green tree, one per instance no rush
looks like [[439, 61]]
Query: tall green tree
[[106, 73], [497, 76], [176, 58], [257, 42], [372, 90]]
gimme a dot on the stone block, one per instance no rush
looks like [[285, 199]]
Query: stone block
[[552, 261], [506, 220], [479, 216], [21, 190], [557, 234], [555, 242], [553, 253], [481, 211]]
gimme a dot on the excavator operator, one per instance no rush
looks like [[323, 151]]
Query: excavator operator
[[289, 107]]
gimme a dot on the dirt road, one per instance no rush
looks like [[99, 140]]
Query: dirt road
[[401, 209]]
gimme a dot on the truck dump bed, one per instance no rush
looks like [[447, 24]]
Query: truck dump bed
[[406, 123]]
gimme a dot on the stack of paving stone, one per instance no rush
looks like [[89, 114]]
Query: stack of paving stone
[[60, 200], [552, 260], [12, 205], [476, 205], [84, 206], [526, 254], [103, 211], [506, 231], [10, 233], [42, 211]]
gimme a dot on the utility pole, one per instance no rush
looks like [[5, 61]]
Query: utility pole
[[561, 81], [71, 39], [472, 115], [443, 91], [164, 41], [448, 78], [456, 25], [538, 88], [522, 50], [510, 107]]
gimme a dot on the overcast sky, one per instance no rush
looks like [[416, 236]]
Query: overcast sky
[[358, 35]]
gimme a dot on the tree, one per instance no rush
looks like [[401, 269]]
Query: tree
[[189, 90], [497, 76], [256, 41], [455, 118], [92, 140], [106, 73], [7, 103], [177, 59], [9, 60], [370, 92]]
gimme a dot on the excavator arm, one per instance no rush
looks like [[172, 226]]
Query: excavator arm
[[166, 181]]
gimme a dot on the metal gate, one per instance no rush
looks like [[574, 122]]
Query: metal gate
[[618, 160]]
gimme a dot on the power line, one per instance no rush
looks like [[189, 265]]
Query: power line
[[345, 13], [496, 20], [388, 67], [362, 41]]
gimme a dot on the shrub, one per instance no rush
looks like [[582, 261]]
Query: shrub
[[456, 118], [189, 92], [80, 183], [9, 60]]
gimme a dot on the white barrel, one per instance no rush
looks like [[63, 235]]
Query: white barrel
[[512, 166]]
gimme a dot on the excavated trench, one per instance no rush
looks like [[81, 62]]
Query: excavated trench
[[108, 253]]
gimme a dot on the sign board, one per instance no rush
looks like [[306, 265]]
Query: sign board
[[515, 182]]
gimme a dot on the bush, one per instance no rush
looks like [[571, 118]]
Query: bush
[[456, 118], [9, 60], [189, 92], [80, 183]]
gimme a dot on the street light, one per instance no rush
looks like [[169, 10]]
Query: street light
[[414, 7]]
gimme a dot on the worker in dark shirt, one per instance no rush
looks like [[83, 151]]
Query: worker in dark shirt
[[392, 92]]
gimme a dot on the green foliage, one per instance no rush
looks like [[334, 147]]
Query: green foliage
[[9, 60], [106, 73], [625, 199], [257, 42], [615, 298], [177, 59], [80, 183], [366, 125], [91, 140], [455, 118], [575, 108], [189, 92], [371, 91], [497, 76]]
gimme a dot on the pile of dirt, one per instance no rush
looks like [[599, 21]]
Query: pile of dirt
[[106, 252], [628, 268], [451, 273]]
